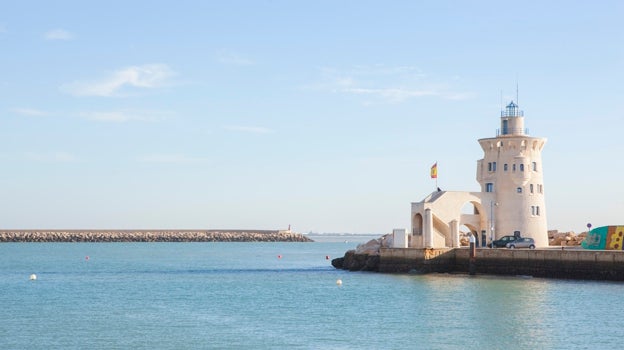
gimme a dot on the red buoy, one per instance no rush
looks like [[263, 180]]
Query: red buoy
[[279, 256], [326, 257]]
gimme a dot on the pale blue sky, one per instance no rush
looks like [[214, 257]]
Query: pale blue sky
[[325, 115]]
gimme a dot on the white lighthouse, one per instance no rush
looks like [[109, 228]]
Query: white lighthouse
[[511, 178], [510, 202]]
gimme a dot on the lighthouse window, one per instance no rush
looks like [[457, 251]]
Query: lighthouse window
[[537, 210], [513, 167], [521, 167], [505, 167], [493, 166], [531, 188], [489, 187], [534, 166], [532, 210], [519, 189], [490, 166]]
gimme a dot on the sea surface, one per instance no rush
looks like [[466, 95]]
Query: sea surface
[[282, 296]]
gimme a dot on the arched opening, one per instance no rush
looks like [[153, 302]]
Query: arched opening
[[417, 225], [464, 234], [469, 209], [474, 221]]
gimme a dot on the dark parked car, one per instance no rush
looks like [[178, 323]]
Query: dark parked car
[[525, 242], [502, 242]]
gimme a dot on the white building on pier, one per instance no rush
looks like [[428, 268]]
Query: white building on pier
[[511, 201]]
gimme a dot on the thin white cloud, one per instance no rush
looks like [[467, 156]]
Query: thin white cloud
[[228, 57], [392, 94], [51, 157], [171, 159], [248, 129], [58, 34], [125, 116], [147, 76], [29, 112], [384, 70], [460, 96], [387, 84]]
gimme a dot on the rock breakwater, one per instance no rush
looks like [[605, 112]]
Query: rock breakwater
[[151, 236]]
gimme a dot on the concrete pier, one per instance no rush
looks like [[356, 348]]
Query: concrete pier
[[549, 263]]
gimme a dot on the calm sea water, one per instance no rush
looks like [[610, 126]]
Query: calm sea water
[[281, 296]]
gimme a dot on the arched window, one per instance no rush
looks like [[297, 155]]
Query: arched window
[[519, 189]]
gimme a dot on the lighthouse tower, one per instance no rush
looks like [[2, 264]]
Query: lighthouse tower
[[511, 179]]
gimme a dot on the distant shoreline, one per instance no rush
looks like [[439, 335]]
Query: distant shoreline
[[7, 236]]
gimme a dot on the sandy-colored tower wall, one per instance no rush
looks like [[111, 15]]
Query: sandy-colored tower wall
[[512, 170]]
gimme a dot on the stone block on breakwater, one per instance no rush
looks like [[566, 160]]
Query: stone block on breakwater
[[354, 261]]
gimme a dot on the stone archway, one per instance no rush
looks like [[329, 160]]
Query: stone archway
[[436, 219], [467, 230]]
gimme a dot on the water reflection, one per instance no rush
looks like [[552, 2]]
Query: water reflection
[[511, 312]]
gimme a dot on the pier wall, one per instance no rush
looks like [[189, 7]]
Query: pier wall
[[549, 263]]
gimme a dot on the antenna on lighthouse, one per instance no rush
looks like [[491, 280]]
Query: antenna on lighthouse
[[517, 101]]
